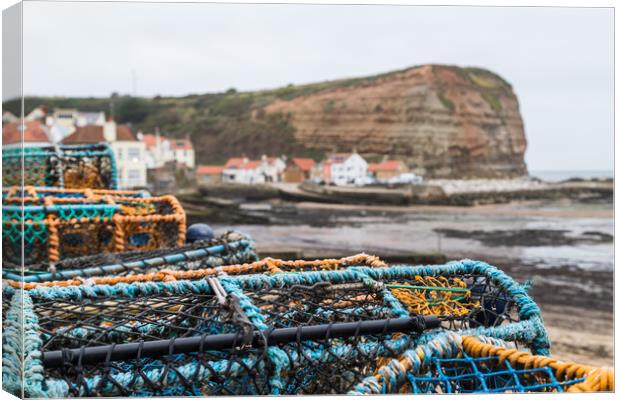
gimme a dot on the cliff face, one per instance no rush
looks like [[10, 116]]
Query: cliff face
[[442, 121]]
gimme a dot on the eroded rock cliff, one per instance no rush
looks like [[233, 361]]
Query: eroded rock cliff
[[443, 121]]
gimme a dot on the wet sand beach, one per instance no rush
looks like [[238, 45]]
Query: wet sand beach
[[564, 248]]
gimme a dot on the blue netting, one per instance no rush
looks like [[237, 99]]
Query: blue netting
[[228, 248], [91, 315], [58, 228], [484, 375]]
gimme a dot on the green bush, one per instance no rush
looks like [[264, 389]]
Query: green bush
[[447, 103]]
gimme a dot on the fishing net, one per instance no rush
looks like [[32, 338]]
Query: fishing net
[[196, 261], [35, 194], [133, 266], [456, 364], [72, 321], [56, 228], [64, 166], [463, 295], [309, 332]]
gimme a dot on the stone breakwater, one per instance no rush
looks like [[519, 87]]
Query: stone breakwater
[[453, 186]]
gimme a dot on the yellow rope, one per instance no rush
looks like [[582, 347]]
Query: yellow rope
[[597, 379], [435, 302]]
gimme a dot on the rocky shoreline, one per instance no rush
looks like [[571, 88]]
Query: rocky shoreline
[[437, 192]]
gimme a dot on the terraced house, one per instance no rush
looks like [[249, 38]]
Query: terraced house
[[129, 151]]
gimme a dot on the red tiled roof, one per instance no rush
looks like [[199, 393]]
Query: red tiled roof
[[305, 164], [389, 165], [94, 134], [124, 133], [149, 140], [251, 164], [180, 144], [209, 169], [234, 162], [85, 134], [34, 132]]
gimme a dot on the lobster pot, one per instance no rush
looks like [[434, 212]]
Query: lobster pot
[[58, 228], [285, 334], [229, 248], [199, 260], [465, 295], [35, 194], [64, 166], [452, 363]]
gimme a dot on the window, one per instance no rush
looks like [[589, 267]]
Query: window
[[133, 177], [133, 154]]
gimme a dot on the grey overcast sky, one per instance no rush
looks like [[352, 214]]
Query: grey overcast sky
[[559, 60]]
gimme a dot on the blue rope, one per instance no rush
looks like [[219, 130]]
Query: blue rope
[[281, 361], [242, 249]]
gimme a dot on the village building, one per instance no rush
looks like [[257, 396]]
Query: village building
[[129, 151], [63, 121], [8, 117], [37, 114], [183, 152], [33, 134], [209, 174], [72, 118], [298, 170], [387, 169], [344, 168], [244, 170], [160, 150]]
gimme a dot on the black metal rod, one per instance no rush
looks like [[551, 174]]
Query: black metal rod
[[158, 348]]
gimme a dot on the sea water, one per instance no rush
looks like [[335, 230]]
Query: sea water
[[562, 175]]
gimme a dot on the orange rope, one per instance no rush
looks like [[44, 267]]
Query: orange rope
[[268, 265], [53, 251], [122, 226], [596, 379]]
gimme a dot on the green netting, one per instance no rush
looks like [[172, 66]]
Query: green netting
[[59, 228], [65, 166]]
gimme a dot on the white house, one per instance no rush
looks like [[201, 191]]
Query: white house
[[243, 170], [37, 114], [90, 118], [129, 151], [344, 168], [8, 117], [183, 151], [63, 121], [160, 150]]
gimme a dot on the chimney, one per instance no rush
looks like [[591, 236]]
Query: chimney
[[158, 149], [109, 130]]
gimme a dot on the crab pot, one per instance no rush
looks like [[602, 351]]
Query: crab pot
[[54, 228], [452, 363], [163, 337], [210, 255], [231, 254], [214, 336], [64, 166]]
